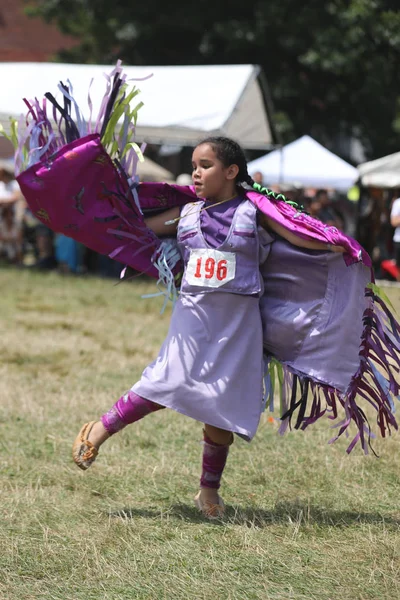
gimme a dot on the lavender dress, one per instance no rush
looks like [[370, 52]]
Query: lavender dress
[[210, 367]]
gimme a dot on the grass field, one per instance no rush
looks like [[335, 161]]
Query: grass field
[[304, 521]]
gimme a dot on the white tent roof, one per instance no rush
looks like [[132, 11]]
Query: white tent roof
[[182, 104], [305, 163], [383, 172]]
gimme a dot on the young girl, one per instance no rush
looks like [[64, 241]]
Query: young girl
[[210, 366], [259, 276]]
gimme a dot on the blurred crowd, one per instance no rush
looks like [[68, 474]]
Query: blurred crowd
[[329, 206], [25, 241], [12, 208], [378, 229], [372, 217]]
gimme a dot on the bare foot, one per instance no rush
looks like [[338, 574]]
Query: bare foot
[[210, 503], [209, 495]]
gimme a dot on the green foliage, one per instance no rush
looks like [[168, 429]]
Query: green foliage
[[332, 66]]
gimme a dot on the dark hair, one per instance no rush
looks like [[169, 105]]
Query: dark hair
[[230, 153]]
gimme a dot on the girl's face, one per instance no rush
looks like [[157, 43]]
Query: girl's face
[[211, 178]]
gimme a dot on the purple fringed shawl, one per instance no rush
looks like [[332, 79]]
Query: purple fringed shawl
[[81, 193]]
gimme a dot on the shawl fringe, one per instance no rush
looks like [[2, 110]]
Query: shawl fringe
[[304, 400]]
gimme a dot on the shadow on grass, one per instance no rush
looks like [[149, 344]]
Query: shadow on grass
[[290, 513], [182, 511], [304, 515]]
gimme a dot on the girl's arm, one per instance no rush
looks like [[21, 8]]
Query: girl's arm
[[157, 223], [268, 223]]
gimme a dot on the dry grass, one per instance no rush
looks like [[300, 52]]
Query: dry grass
[[305, 521]]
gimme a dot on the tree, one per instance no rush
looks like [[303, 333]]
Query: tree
[[332, 66]]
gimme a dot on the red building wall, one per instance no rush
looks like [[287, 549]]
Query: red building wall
[[26, 39]]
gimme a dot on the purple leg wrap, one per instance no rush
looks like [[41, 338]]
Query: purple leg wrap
[[214, 460], [127, 410]]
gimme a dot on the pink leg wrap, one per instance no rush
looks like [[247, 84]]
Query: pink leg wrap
[[127, 410], [214, 460]]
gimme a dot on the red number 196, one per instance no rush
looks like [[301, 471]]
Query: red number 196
[[209, 268]]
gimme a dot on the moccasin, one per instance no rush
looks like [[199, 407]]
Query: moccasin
[[84, 452]]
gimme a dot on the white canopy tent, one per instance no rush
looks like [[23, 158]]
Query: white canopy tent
[[182, 104], [305, 163], [381, 173], [148, 170]]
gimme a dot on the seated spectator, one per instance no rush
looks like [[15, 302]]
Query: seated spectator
[[44, 240], [67, 253], [9, 188], [314, 207], [327, 213], [258, 177], [10, 235], [38, 242]]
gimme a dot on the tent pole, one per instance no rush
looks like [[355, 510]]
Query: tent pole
[[270, 110], [269, 107]]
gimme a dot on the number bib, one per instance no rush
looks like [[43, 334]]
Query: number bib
[[210, 268]]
